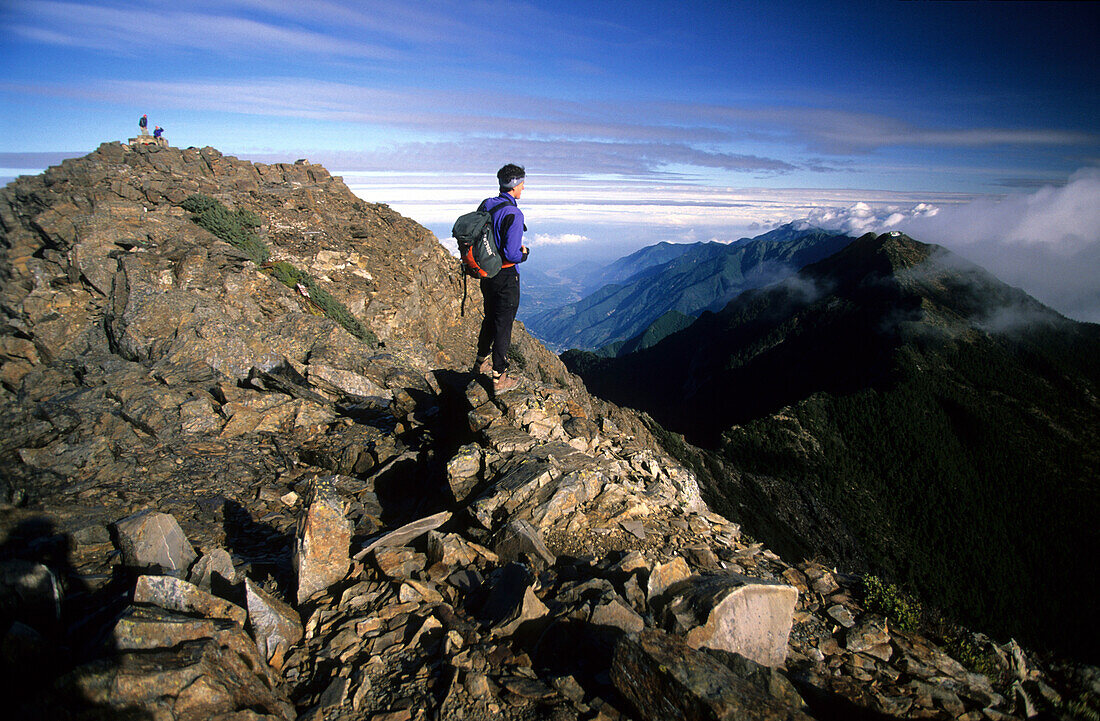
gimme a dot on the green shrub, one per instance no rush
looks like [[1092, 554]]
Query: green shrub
[[1085, 707], [285, 273], [516, 358], [232, 226], [890, 601], [336, 310]]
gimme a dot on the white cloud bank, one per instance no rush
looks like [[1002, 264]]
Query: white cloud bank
[[557, 239], [1046, 242]]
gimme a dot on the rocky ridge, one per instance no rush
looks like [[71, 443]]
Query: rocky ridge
[[219, 504]]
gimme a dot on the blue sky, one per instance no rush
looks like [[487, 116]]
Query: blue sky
[[637, 121]]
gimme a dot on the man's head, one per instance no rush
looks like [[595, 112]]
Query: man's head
[[511, 179]]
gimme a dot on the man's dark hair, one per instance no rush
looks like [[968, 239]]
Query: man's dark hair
[[508, 172]]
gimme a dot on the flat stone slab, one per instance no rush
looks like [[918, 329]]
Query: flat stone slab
[[403, 535], [173, 594]]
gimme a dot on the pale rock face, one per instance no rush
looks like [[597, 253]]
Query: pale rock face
[[733, 613]]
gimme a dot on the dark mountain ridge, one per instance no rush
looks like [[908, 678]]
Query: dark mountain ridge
[[703, 277], [892, 407]]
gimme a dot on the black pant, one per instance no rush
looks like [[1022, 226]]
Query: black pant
[[501, 295]]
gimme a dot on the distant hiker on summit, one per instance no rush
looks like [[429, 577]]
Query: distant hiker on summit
[[158, 131], [144, 124], [501, 291]]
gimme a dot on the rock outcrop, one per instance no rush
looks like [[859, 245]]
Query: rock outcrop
[[222, 505]]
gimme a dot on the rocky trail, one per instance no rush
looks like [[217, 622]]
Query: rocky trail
[[220, 504]]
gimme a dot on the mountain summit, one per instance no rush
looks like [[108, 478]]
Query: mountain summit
[[895, 406]]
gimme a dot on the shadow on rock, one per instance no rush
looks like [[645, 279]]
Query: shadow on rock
[[265, 550], [53, 618]]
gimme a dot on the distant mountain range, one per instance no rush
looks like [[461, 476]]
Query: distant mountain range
[[897, 409], [683, 279]]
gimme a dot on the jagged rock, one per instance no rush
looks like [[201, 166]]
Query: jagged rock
[[631, 562], [767, 679], [92, 535], [167, 641], [821, 579], [841, 615], [617, 614], [275, 626], [174, 594], [483, 416], [398, 562], [462, 471], [154, 540], [323, 540], [24, 652], [412, 590], [664, 678], [196, 680], [871, 636], [151, 627], [215, 564], [733, 613], [511, 490], [567, 494], [450, 549], [506, 438], [519, 540], [512, 601], [664, 575]]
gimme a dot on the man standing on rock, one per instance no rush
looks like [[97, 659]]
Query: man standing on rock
[[501, 292]]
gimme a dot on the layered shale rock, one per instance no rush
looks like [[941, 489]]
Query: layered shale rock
[[221, 504]]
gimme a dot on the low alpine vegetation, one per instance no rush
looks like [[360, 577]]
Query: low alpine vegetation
[[236, 227]]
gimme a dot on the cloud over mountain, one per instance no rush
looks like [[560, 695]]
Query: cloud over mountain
[[1046, 241]]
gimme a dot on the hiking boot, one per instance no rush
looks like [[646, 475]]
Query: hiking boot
[[482, 366], [502, 383]]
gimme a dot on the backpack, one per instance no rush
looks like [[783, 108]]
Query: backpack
[[477, 244]]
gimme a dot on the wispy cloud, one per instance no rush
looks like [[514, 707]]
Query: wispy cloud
[[837, 131], [129, 28]]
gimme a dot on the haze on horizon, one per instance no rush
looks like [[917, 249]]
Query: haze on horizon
[[972, 125]]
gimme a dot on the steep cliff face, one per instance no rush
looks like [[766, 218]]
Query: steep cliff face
[[219, 503]]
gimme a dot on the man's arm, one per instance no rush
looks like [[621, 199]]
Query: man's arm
[[511, 230]]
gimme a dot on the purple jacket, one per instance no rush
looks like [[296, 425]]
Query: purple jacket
[[508, 227]]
